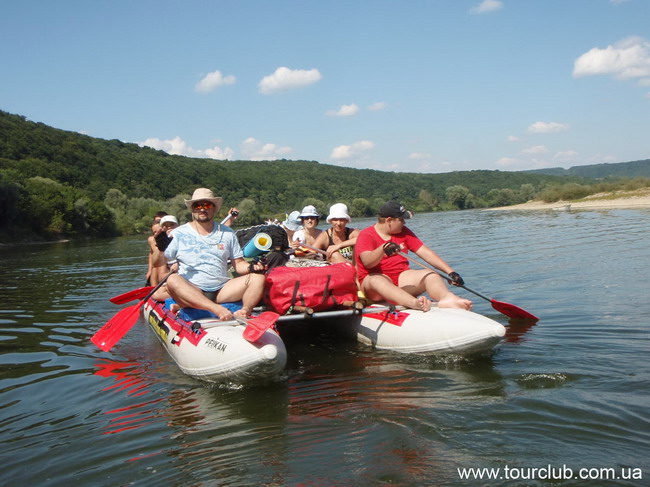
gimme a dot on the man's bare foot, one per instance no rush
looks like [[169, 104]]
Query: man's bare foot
[[222, 313], [422, 304], [453, 301], [242, 313]]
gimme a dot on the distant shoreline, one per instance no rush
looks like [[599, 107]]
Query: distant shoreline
[[627, 200]]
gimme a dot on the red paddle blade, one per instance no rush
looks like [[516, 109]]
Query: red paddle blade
[[257, 325], [131, 295], [111, 333], [512, 311]]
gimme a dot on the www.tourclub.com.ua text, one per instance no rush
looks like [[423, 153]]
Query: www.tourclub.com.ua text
[[550, 472]]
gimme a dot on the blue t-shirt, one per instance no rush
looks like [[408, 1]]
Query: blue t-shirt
[[203, 260]]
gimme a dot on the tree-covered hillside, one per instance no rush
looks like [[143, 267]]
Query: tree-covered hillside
[[632, 169], [57, 183]]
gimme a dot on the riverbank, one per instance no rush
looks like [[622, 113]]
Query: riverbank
[[619, 199]]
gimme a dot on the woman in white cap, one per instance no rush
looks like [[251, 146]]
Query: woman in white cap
[[308, 234], [339, 240]]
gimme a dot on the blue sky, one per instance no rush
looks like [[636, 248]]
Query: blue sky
[[413, 86]]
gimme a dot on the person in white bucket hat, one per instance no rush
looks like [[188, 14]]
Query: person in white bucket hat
[[338, 241], [307, 234], [201, 250]]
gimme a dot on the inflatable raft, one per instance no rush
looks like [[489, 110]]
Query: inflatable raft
[[216, 351]]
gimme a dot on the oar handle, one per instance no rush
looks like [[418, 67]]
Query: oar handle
[[321, 251], [158, 286], [231, 214]]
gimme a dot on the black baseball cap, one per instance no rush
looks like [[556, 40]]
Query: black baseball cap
[[394, 210]]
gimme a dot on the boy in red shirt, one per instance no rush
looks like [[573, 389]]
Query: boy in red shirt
[[384, 274]]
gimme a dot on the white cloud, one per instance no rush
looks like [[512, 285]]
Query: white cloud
[[213, 81], [487, 6], [567, 155], [628, 58], [419, 155], [617, 2], [352, 151], [546, 127], [536, 149], [380, 105], [513, 138], [344, 111], [286, 79], [179, 147], [255, 150], [644, 82]]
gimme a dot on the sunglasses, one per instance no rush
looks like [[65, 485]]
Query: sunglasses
[[203, 205], [310, 218]]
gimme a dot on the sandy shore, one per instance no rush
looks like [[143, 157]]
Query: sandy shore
[[627, 199]]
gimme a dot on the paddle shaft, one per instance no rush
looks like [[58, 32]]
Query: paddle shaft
[[507, 309], [321, 251], [113, 331], [444, 275]]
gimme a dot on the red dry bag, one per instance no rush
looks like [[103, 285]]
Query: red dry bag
[[318, 288]]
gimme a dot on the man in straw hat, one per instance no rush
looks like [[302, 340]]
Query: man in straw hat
[[384, 273], [202, 250]]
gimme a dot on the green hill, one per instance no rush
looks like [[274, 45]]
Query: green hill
[[56, 183], [632, 169]]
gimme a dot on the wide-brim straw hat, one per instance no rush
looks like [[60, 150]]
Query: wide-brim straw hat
[[339, 210], [204, 194]]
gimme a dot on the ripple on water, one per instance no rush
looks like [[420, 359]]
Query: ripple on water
[[543, 381]]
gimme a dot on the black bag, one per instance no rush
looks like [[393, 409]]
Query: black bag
[[279, 238]]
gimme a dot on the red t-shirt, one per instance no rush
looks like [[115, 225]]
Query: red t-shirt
[[392, 266]]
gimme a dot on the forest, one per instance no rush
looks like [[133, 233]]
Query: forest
[[59, 184]]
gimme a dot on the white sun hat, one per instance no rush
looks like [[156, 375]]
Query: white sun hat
[[309, 210], [293, 221], [339, 210]]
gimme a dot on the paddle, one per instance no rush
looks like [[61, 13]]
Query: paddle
[[143, 291], [131, 295], [113, 331], [321, 251], [507, 309], [257, 325]]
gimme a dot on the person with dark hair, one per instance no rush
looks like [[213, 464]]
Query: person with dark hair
[[156, 259], [384, 274], [307, 234]]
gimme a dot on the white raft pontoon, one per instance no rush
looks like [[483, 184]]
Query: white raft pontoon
[[216, 351], [438, 331]]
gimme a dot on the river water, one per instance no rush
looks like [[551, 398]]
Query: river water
[[568, 396]]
